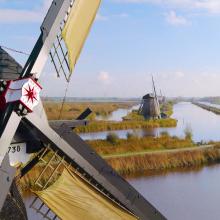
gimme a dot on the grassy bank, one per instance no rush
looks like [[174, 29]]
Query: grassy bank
[[134, 144], [73, 109], [96, 126], [167, 108], [134, 116], [163, 161], [208, 108]]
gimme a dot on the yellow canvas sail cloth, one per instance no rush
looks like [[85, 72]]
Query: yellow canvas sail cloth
[[77, 27], [71, 198]]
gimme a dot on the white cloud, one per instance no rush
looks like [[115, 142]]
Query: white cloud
[[179, 74], [122, 15], [100, 17], [24, 16], [176, 20], [212, 6], [104, 77], [8, 15], [189, 83]]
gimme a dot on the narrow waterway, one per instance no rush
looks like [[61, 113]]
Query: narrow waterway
[[118, 114], [204, 125], [192, 195]]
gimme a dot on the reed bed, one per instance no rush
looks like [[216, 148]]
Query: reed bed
[[73, 109], [96, 126], [135, 144], [163, 161], [167, 108], [208, 108]]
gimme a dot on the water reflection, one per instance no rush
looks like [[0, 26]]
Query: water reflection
[[118, 114]]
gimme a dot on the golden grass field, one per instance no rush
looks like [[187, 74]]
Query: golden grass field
[[73, 109], [95, 126], [128, 166], [135, 144]]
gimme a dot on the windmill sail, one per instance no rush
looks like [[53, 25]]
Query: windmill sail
[[157, 105], [77, 27]]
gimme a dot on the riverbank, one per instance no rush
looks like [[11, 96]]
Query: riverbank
[[208, 108], [164, 160], [96, 126], [167, 108], [135, 155]]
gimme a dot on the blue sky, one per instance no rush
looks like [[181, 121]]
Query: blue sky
[[178, 41]]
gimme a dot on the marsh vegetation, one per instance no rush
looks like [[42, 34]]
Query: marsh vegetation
[[73, 109], [113, 145]]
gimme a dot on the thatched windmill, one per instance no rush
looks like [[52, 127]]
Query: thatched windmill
[[150, 107]]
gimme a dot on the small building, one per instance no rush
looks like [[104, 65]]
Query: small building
[[150, 107], [9, 68]]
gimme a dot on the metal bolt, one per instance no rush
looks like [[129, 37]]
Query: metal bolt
[[20, 106], [25, 111]]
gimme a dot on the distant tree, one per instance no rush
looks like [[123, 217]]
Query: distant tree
[[132, 135], [164, 134], [112, 138]]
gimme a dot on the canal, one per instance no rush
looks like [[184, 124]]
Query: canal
[[189, 194]]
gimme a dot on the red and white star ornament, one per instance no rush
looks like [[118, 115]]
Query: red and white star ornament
[[26, 91]]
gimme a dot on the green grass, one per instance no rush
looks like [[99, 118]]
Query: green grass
[[167, 108]]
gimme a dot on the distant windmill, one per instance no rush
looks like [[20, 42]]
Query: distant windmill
[[150, 107]]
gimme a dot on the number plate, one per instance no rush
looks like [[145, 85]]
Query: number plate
[[17, 153]]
